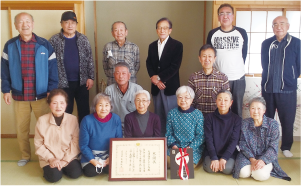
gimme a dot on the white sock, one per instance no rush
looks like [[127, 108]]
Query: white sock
[[287, 153]]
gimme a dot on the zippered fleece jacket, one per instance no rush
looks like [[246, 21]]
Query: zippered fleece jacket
[[45, 67], [290, 62]]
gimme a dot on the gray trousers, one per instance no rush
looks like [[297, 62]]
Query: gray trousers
[[227, 171], [163, 104], [237, 88]]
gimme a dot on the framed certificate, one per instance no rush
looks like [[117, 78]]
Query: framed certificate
[[138, 159]]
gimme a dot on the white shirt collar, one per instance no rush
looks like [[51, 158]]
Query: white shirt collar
[[164, 42], [161, 46]]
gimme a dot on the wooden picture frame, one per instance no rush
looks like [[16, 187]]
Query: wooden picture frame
[[138, 159]]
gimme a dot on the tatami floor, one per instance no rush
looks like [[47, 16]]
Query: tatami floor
[[32, 174]]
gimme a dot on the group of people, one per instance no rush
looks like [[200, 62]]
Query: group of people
[[205, 115]]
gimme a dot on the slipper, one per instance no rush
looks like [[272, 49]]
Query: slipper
[[23, 162]]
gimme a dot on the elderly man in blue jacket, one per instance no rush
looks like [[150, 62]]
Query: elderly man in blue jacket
[[280, 59], [29, 71]]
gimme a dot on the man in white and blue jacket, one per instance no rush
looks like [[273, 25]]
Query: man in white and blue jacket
[[29, 71], [280, 60]]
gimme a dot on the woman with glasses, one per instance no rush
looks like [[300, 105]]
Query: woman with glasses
[[184, 127], [142, 123]]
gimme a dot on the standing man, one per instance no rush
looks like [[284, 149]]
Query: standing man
[[29, 70], [163, 64], [280, 60], [75, 64], [120, 50], [122, 92], [207, 82], [231, 44]]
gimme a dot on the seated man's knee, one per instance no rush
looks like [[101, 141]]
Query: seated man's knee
[[245, 172]]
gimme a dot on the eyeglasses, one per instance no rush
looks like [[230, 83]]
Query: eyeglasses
[[185, 98], [225, 13], [281, 24], [120, 73], [143, 101], [163, 28]]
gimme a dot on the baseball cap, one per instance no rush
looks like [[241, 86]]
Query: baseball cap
[[69, 15]]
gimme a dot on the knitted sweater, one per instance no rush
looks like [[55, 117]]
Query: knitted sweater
[[221, 134], [95, 135]]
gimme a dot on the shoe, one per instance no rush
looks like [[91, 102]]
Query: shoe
[[23, 162], [287, 153]]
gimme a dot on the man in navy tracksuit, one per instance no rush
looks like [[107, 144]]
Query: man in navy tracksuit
[[280, 59], [29, 71]]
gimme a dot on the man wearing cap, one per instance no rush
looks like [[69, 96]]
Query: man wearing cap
[[75, 64], [120, 50], [29, 71]]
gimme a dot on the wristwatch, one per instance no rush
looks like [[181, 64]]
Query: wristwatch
[[158, 78]]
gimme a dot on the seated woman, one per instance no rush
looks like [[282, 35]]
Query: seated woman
[[56, 140], [142, 123], [259, 139], [222, 130], [96, 130], [184, 127]]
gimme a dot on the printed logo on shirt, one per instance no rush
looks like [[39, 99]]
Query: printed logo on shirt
[[229, 42], [42, 53]]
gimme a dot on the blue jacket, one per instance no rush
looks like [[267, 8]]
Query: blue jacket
[[290, 65], [45, 67]]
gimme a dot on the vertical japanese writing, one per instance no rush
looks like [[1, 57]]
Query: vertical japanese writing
[[143, 159], [130, 160], [140, 165], [154, 157], [148, 160], [121, 159]]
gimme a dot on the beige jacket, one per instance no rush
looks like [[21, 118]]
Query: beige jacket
[[52, 141]]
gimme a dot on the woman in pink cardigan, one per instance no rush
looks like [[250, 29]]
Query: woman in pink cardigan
[[56, 140]]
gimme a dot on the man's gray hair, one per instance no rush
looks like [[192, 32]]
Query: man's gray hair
[[143, 92], [258, 99], [184, 89], [122, 64], [15, 19], [97, 98], [225, 91], [119, 22]]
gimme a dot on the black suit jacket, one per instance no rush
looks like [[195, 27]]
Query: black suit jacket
[[167, 68]]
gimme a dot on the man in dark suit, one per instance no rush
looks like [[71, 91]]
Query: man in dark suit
[[163, 64]]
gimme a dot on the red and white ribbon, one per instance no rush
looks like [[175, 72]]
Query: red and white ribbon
[[183, 164]]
